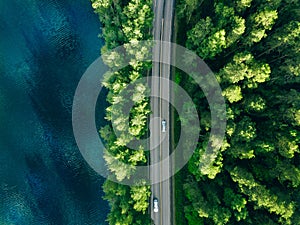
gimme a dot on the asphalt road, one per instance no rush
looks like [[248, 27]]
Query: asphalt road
[[160, 141]]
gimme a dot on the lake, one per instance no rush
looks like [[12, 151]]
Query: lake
[[45, 47]]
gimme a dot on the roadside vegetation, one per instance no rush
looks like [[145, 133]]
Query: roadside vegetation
[[124, 22], [253, 47]]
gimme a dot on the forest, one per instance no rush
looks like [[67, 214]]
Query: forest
[[124, 22], [252, 46]]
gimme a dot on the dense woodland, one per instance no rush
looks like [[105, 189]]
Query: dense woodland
[[253, 48], [124, 22]]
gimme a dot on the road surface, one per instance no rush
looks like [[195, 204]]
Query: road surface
[[163, 26]]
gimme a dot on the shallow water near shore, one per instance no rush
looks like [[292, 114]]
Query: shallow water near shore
[[45, 47]]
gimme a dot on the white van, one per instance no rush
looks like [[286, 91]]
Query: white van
[[163, 125], [155, 204]]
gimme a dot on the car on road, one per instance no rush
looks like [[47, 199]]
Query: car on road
[[164, 125], [155, 205]]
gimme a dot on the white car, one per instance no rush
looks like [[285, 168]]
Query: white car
[[164, 125], [155, 205]]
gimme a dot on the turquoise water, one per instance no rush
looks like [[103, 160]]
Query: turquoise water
[[45, 46]]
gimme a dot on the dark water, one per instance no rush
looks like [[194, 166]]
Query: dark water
[[45, 46]]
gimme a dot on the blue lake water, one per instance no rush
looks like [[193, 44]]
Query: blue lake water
[[45, 47]]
